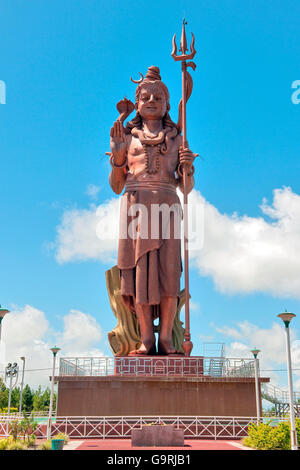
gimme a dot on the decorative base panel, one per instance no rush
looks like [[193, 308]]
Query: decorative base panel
[[159, 365]]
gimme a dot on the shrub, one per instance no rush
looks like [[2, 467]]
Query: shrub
[[25, 428], [12, 409], [263, 436], [46, 445], [4, 443], [31, 440], [297, 423], [63, 436], [28, 427], [15, 428], [16, 445], [247, 441]]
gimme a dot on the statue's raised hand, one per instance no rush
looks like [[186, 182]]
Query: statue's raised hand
[[117, 142]]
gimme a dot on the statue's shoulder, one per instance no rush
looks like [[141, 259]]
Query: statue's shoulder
[[178, 140]]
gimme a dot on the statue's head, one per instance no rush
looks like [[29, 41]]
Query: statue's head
[[153, 80], [152, 95], [152, 100]]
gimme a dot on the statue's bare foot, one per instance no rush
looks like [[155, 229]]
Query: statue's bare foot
[[144, 350], [165, 347]]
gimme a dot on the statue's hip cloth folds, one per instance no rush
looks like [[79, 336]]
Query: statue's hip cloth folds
[[149, 256]]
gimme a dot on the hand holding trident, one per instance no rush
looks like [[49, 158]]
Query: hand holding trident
[[187, 86]]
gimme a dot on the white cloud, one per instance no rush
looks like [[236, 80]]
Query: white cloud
[[271, 342], [27, 332], [248, 254], [92, 191], [240, 253], [194, 308], [206, 338], [80, 333], [79, 237], [227, 331]]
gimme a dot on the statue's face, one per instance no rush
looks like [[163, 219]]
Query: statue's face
[[152, 102]]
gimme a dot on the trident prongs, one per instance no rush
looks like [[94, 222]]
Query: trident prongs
[[183, 46]]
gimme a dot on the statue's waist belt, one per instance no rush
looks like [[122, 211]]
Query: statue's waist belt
[[150, 186]]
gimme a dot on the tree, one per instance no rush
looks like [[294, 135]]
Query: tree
[[15, 397], [27, 401], [41, 399], [46, 399], [38, 400], [3, 394], [33, 400]]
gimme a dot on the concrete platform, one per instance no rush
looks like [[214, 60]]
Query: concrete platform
[[156, 396], [190, 445]]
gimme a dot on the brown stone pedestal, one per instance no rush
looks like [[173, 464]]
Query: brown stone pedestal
[[156, 396]]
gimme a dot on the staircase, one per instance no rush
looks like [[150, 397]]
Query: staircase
[[217, 362], [280, 398]]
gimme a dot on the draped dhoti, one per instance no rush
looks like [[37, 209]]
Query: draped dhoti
[[149, 255]]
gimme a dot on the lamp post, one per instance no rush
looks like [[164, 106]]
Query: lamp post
[[286, 317], [255, 352], [3, 312], [11, 371], [54, 352], [22, 384]]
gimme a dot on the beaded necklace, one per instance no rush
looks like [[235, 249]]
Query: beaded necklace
[[154, 146]]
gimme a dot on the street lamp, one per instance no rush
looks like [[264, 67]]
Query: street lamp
[[22, 384], [11, 371], [286, 317], [255, 352], [3, 312], [54, 352]]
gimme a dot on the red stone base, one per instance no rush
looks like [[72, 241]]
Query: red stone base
[[157, 436], [156, 396]]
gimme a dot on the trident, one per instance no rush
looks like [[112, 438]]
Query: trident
[[187, 86]]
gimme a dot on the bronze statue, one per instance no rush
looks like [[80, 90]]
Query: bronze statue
[[150, 159]]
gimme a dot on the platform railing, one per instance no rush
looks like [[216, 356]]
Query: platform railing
[[276, 395], [116, 427], [168, 366]]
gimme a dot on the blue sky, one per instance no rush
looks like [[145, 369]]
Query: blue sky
[[66, 65]]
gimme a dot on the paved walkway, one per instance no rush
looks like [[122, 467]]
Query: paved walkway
[[125, 444]]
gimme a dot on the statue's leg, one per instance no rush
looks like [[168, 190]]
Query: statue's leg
[[144, 316], [168, 307]]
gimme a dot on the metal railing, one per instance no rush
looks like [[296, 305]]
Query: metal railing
[[18, 415], [168, 366], [116, 427], [276, 395]]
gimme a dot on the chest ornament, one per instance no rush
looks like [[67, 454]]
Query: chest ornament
[[154, 146]]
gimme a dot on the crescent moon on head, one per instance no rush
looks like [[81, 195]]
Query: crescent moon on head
[[138, 81]]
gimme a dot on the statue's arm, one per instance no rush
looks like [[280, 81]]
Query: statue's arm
[[117, 179], [118, 159], [185, 158], [190, 184]]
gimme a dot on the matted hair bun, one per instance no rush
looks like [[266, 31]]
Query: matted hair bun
[[153, 74]]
